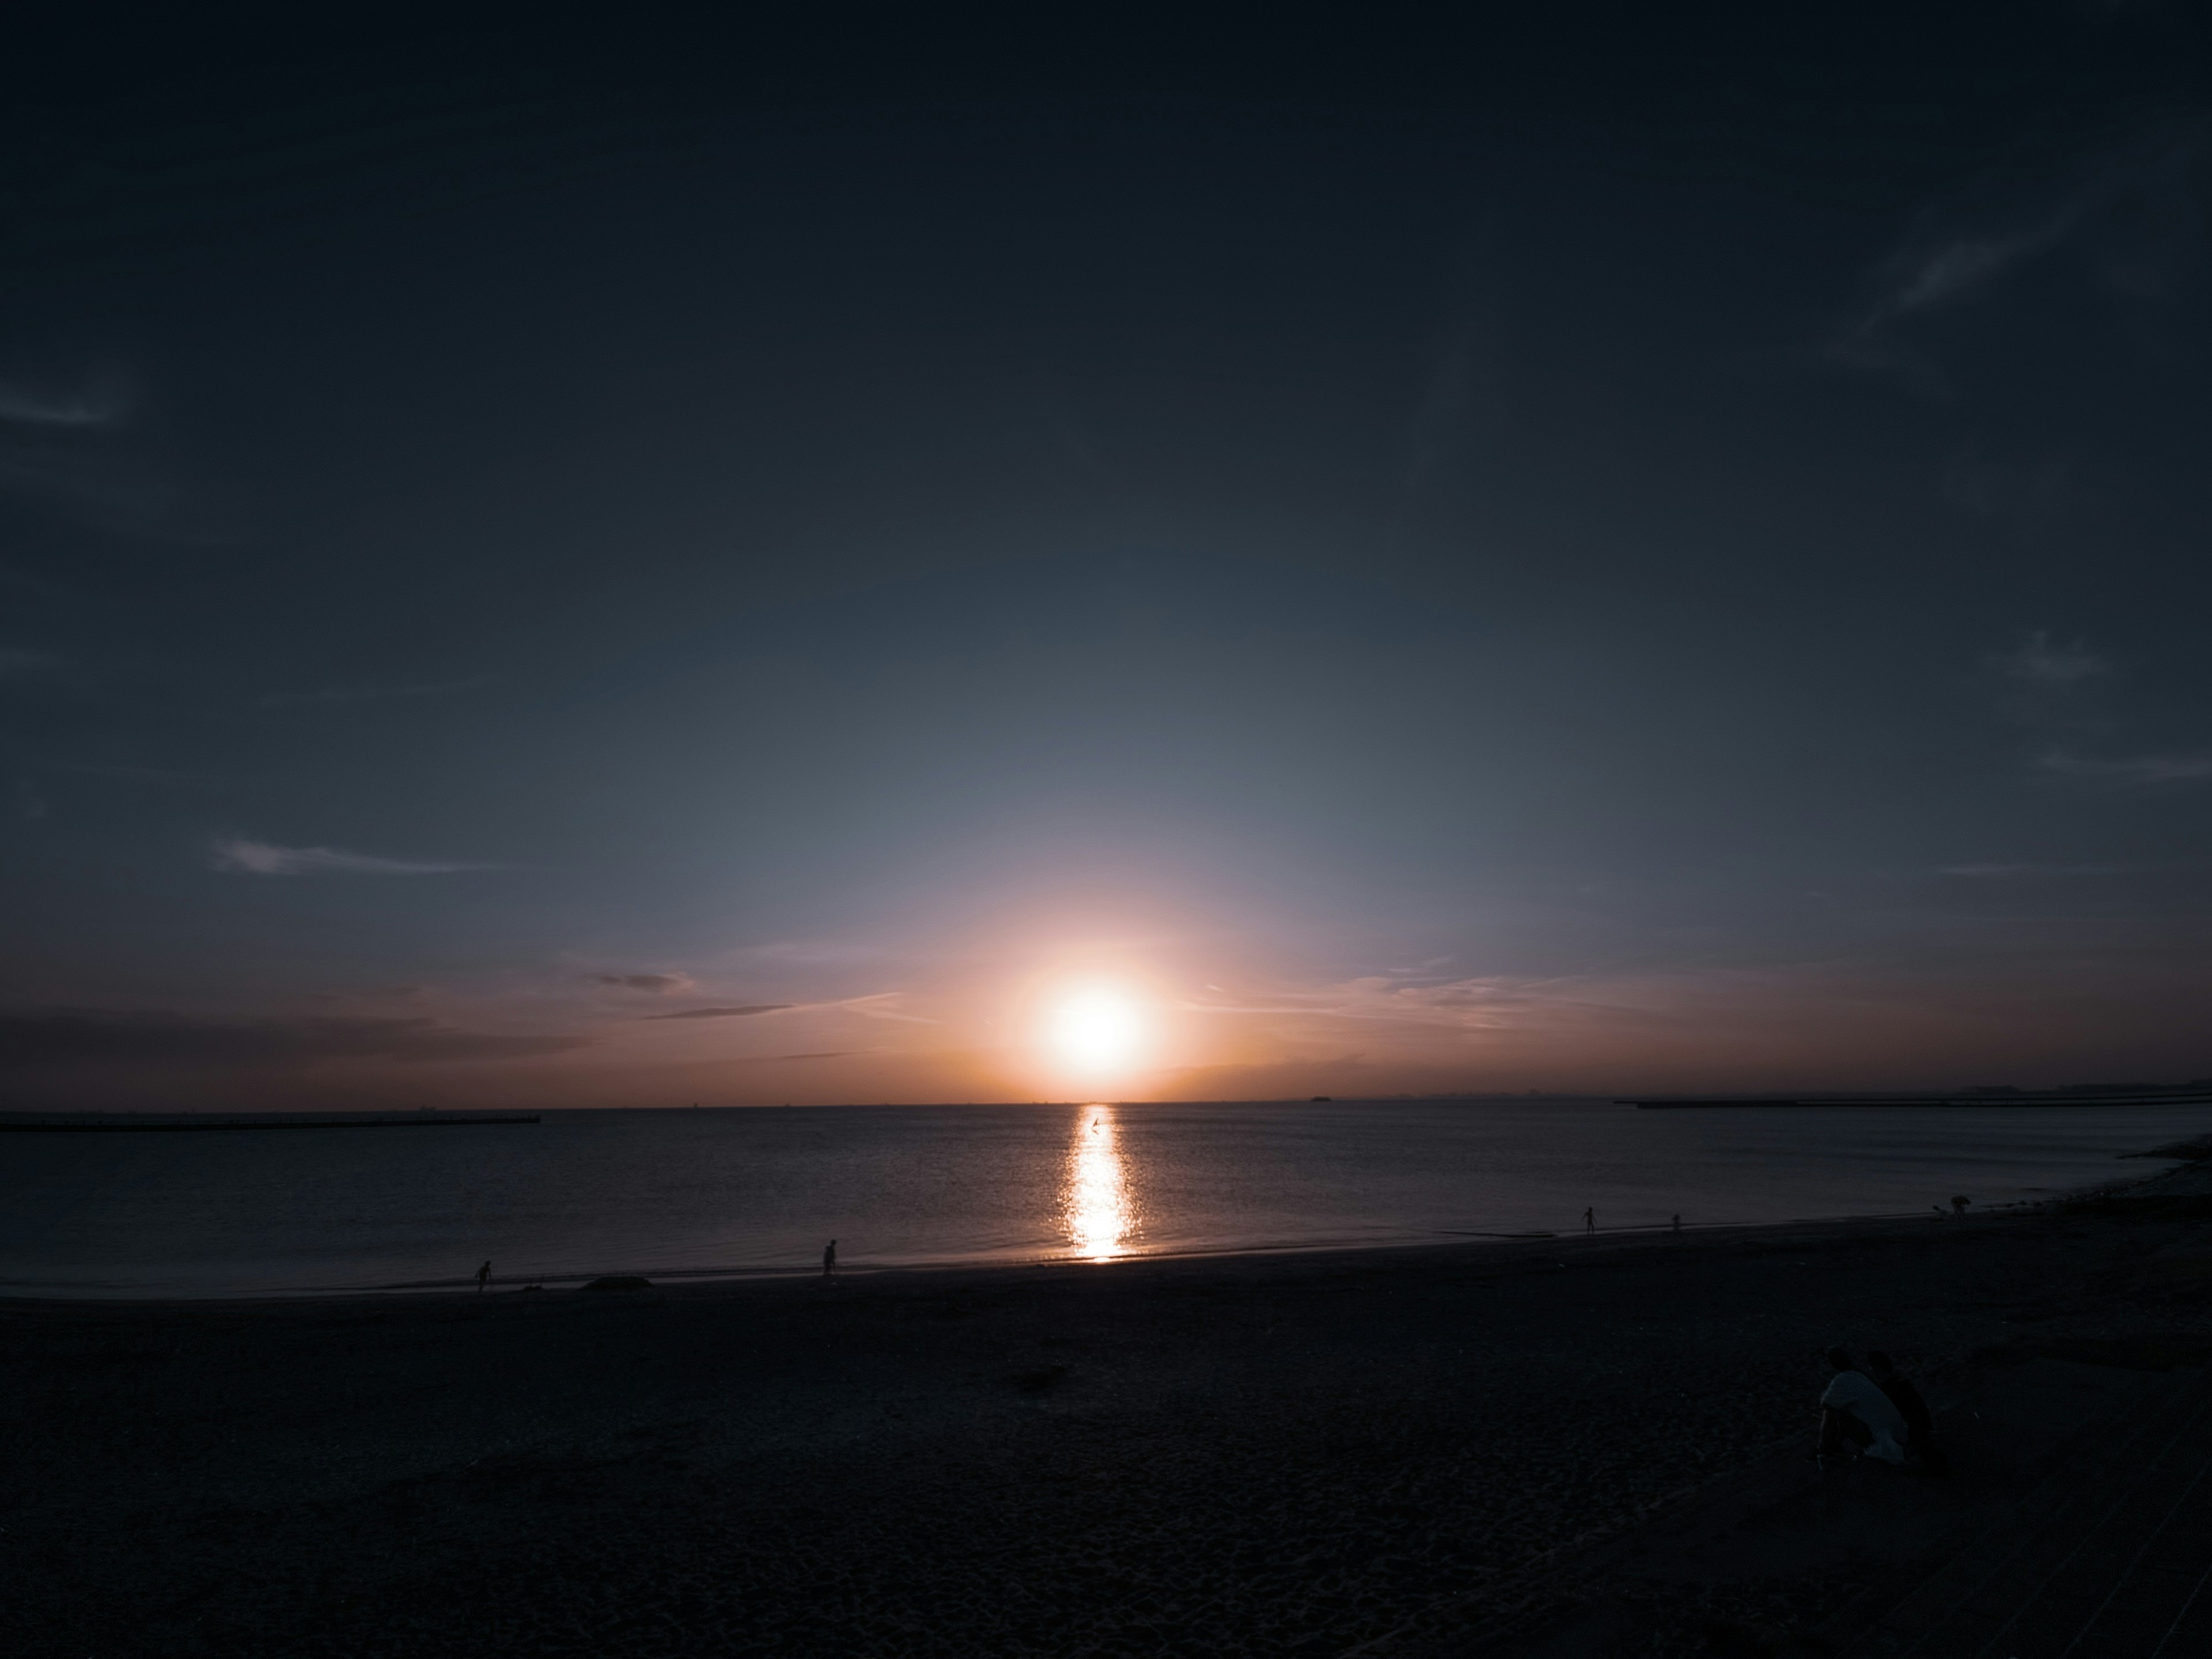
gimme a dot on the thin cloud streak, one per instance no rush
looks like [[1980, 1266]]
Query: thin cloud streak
[[70, 1037], [1389, 1000], [2040, 660], [260, 858], [1947, 266], [2024, 871], [1959, 265], [881, 1005], [353, 693], [2138, 769], [724, 1013], [95, 405]]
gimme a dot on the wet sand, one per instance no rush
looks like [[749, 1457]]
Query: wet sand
[[1385, 1451]]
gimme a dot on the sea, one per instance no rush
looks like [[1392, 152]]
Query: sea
[[693, 1194]]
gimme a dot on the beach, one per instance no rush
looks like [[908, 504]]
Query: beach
[[1389, 1451]]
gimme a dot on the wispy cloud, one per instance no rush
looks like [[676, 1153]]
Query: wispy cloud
[[658, 984], [2039, 660], [1953, 267], [100, 402], [1931, 274], [260, 858], [2023, 871], [353, 693], [883, 1004], [2133, 769], [70, 450], [1462, 1003], [724, 1013], [56, 1037], [1957, 257]]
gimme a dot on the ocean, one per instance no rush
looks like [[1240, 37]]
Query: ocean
[[679, 1194]]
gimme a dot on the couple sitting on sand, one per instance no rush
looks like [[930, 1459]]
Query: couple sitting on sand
[[1881, 1415]]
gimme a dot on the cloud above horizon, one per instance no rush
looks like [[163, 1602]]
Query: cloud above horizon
[[725, 1013], [1962, 252], [656, 983], [261, 858], [2037, 659], [2133, 769], [388, 693], [95, 1037], [99, 403], [1998, 871], [82, 454]]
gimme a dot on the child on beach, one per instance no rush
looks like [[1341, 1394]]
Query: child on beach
[[1857, 1418], [1919, 1421]]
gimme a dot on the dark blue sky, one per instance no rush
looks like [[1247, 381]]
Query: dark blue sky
[[1631, 553]]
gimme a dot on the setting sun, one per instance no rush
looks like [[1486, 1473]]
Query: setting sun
[[1097, 1029]]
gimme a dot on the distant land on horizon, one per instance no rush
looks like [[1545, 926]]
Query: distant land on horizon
[[2191, 1092]]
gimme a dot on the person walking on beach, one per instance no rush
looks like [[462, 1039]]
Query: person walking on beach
[[483, 1277], [1590, 1221], [830, 1260], [1678, 1224]]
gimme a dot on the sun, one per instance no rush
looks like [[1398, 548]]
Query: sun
[[1097, 1029]]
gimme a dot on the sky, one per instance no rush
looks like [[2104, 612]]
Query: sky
[[552, 559]]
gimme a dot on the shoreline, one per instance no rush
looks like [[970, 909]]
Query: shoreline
[[1295, 1452], [1444, 1240], [712, 1278]]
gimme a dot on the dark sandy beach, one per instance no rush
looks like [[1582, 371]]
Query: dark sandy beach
[[1406, 1452]]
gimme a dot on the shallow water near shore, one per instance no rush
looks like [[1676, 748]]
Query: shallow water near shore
[[690, 1193]]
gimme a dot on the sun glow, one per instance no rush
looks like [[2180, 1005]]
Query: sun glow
[[1097, 1030]]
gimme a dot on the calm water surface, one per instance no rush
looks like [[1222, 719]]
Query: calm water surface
[[674, 1192]]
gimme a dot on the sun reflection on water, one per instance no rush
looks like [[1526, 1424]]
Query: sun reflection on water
[[1095, 1208]]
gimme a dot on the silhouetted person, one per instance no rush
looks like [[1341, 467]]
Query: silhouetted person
[[483, 1277], [1678, 1224], [1919, 1421], [1590, 1221], [1857, 1415], [829, 1259], [1959, 1203]]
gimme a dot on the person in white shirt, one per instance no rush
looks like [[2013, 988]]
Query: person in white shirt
[[1857, 1418]]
